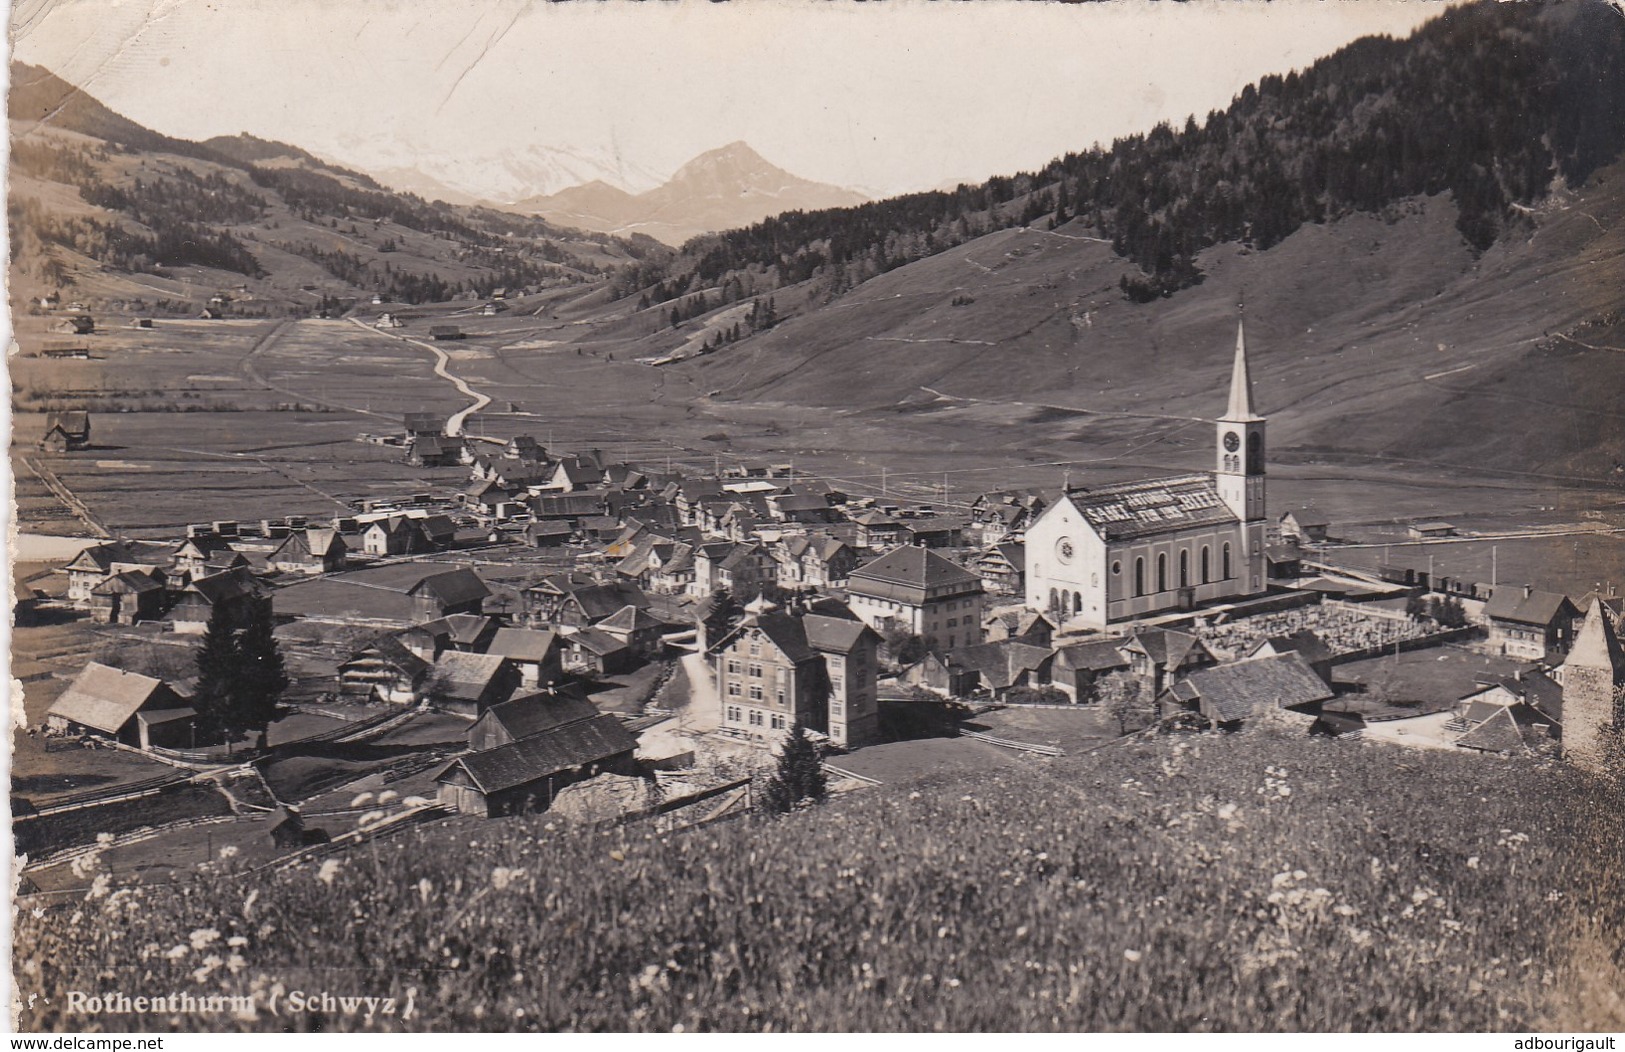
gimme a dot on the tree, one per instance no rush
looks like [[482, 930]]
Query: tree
[[800, 775], [1123, 697], [1416, 608], [263, 677], [215, 695]]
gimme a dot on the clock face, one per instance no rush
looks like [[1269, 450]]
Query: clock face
[[1232, 441], [1064, 549]]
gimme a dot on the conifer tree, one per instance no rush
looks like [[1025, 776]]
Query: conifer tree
[[800, 775], [214, 697], [262, 675]]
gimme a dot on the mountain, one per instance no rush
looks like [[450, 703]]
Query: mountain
[[499, 177], [732, 186], [126, 215]]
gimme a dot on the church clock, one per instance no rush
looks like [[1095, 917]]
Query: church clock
[[1232, 441]]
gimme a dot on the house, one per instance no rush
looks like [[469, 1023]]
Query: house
[[235, 593], [459, 591], [593, 652], [1305, 643], [66, 431], [470, 633], [1422, 531], [537, 654], [104, 702], [216, 313], [529, 715], [638, 629], [816, 561], [386, 320], [1022, 625], [1005, 515], [445, 332], [418, 424], [1002, 568], [1159, 656], [394, 535], [128, 597], [1533, 688], [810, 665], [934, 532], [97, 563], [548, 534], [581, 606], [934, 673], [434, 451], [920, 591], [1304, 524], [467, 684], [526, 775], [440, 530], [876, 529], [1527, 623], [571, 474], [1005, 665], [311, 551], [801, 507], [1283, 562], [1079, 667], [75, 324], [385, 669], [1226, 695], [195, 555], [738, 568], [140, 323]]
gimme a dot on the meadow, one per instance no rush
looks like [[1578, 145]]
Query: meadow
[[1259, 881]]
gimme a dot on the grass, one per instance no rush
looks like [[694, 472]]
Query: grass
[[1165, 885], [74, 828]]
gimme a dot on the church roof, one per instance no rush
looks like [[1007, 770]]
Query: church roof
[[1241, 382], [1151, 506], [1597, 645]]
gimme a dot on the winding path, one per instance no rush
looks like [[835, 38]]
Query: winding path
[[454, 423]]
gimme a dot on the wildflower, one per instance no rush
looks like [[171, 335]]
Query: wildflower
[[1472, 863], [1227, 811], [415, 801], [329, 870], [98, 887], [618, 855], [361, 800], [425, 889], [235, 963], [1133, 956], [103, 839], [178, 951], [228, 852], [237, 941], [388, 796], [502, 876], [203, 937]]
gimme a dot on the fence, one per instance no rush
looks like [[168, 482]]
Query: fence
[[1042, 750], [97, 797]]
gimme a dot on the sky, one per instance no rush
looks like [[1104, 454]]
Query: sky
[[884, 98]]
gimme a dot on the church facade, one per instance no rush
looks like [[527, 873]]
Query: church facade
[[1113, 553]]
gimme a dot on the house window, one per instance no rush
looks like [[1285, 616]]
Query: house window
[[953, 622], [1117, 568], [733, 690], [755, 692], [778, 722], [1225, 558], [733, 713], [836, 708], [755, 718], [755, 648], [836, 662], [780, 696], [733, 667], [1139, 575], [1162, 571], [756, 671]]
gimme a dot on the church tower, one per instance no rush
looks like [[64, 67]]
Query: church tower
[[1240, 471], [1592, 677]]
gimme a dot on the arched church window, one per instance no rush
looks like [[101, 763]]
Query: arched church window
[[1162, 571], [1255, 454], [1077, 602], [1054, 600], [1139, 575], [1184, 567], [1206, 564], [1226, 559]]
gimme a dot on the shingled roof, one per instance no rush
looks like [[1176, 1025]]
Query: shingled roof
[[1533, 608], [1152, 506], [1234, 692], [104, 698], [911, 573], [551, 752], [451, 587], [534, 714]]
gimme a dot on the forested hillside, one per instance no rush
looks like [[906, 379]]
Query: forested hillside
[[1491, 103]]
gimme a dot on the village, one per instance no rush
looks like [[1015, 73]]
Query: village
[[612, 642]]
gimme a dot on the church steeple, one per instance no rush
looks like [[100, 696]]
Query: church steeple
[[1241, 381]]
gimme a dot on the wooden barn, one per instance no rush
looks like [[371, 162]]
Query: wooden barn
[[312, 551], [526, 775], [66, 431], [105, 702]]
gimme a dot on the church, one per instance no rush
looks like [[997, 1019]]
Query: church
[[1114, 553]]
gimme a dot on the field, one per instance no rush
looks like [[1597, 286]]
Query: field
[[1203, 883]]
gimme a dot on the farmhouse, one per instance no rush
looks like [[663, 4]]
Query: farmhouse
[[385, 669], [598, 653], [535, 653], [1527, 623], [106, 702], [66, 431], [1159, 656], [876, 529], [1001, 666], [921, 592], [459, 591], [1306, 644], [198, 554], [525, 775], [234, 592], [75, 324], [1304, 524], [1127, 550], [98, 562], [128, 597], [1079, 668], [1003, 568], [395, 535], [434, 451], [1423, 531], [468, 684], [312, 551]]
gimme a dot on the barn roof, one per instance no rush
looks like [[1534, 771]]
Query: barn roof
[[1236, 691], [1535, 608], [104, 698], [1308, 517], [595, 642], [1098, 656], [834, 632], [464, 675], [130, 582], [630, 618], [551, 752], [451, 587], [74, 422], [534, 714], [523, 644]]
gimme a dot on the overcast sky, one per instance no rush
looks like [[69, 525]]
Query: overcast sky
[[885, 98]]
